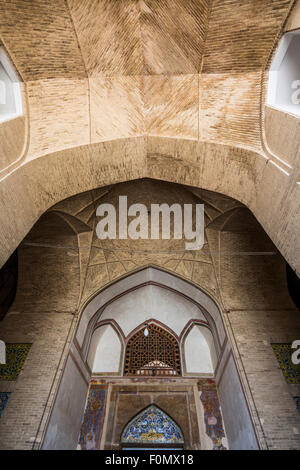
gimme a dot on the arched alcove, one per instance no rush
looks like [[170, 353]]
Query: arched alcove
[[10, 90], [152, 428], [198, 351], [284, 75], [14, 127], [226, 384], [155, 302], [105, 351]]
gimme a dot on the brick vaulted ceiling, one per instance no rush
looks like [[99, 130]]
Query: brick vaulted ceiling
[[76, 38], [178, 81], [97, 70]]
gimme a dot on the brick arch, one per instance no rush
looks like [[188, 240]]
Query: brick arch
[[226, 370]]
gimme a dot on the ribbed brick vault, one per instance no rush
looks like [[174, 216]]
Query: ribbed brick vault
[[173, 90]]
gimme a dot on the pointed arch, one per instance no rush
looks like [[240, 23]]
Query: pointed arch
[[152, 426], [150, 275], [155, 354], [228, 380]]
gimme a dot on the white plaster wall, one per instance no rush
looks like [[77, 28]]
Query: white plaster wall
[[197, 351], [155, 302], [65, 420], [239, 428], [107, 295], [211, 344], [285, 70], [135, 279], [105, 350], [192, 292], [10, 92]]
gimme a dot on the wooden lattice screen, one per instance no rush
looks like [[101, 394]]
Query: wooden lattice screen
[[155, 354]]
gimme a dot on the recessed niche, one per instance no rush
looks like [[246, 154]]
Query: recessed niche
[[284, 75], [10, 89]]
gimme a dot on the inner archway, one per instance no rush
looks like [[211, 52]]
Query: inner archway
[[205, 401]]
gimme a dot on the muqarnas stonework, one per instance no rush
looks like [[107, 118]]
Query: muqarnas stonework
[[16, 354], [4, 396], [283, 353], [91, 427]]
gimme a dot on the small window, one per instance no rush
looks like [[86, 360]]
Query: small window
[[284, 75], [156, 353], [10, 90]]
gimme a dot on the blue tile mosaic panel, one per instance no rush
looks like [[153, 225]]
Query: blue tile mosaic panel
[[152, 426], [283, 353], [4, 396], [213, 418], [16, 354], [91, 427], [297, 400]]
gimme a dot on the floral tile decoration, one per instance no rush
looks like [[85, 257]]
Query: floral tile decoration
[[283, 353], [4, 396], [152, 426], [93, 420], [16, 354], [213, 418]]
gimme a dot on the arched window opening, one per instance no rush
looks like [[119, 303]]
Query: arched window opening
[[199, 356], [152, 428], [104, 356], [10, 90], [284, 75], [154, 354]]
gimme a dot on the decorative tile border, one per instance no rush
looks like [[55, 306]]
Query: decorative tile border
[[4, 396], [91, 427], [283, 353], [16, 354]]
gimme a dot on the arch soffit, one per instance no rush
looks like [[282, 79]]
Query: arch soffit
[[151, 275], [124, 339]]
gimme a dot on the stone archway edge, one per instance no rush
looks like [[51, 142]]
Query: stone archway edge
[[247, 176]]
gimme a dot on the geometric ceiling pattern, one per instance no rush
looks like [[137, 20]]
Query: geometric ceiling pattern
[[231, 232], [183, 81], [187, 69]]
